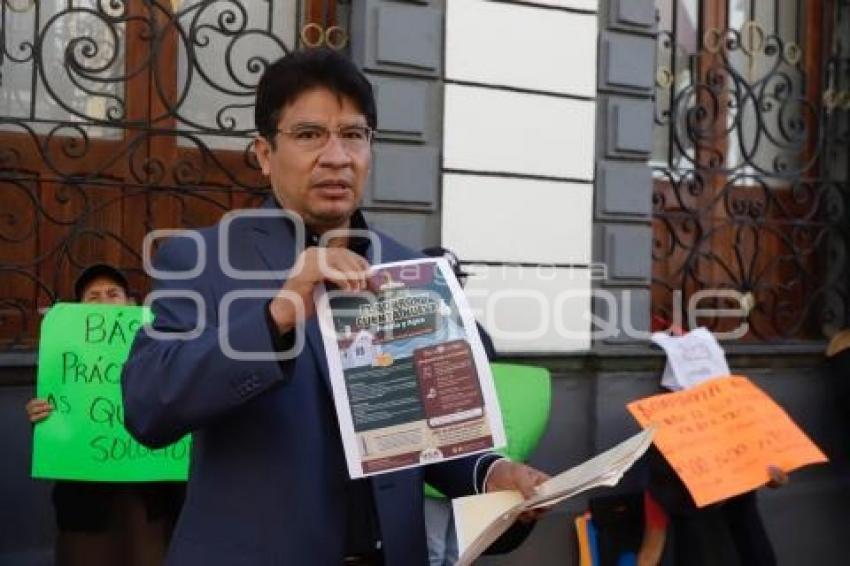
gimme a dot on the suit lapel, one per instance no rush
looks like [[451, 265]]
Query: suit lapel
[[274, 242]]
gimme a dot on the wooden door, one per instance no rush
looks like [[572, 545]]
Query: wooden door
[[117, 118], [741, 198]]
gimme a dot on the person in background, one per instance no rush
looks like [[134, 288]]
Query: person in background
[[103, 523], [730, 532]]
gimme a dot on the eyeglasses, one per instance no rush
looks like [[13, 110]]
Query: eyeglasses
[[312, 137]]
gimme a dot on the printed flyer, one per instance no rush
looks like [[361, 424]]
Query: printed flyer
[[410, 378]]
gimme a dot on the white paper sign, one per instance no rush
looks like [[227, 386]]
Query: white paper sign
[[691, 359]]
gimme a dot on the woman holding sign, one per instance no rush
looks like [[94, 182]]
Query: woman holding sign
[[723, 526], [108, 523]]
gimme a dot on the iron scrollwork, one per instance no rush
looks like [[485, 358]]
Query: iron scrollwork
[[751, 181], [118, 117]]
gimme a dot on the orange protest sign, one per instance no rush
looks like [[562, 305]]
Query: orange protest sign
[[720, 436]]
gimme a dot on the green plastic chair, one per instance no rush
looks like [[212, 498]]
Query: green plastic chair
[[525, 397]]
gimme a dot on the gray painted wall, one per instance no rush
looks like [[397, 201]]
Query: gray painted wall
[[622, 232], [399, 45]]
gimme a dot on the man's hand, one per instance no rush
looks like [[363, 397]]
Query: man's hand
[[506, 475], [38, 410], [339, 266]]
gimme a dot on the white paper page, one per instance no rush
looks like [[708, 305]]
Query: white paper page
[[604, 469], [473, 514], [417, 361], [668, 379], [481, 519]]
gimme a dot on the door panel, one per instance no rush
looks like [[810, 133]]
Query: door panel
[[117, 118], [747, 195]]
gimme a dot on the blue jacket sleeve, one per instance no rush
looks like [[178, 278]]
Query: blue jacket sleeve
[[172, 385]]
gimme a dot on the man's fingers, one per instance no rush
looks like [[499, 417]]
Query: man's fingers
[[529, 479], [539, 477], [526, 487], [535, 477], [357, 272], [372, 283], [512, 475], [346, 277], [338, 266], [345, 269]]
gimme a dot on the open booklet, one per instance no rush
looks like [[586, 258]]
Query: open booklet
[[481, 519]]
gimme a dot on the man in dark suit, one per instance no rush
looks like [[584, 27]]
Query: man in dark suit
[[235, 355]]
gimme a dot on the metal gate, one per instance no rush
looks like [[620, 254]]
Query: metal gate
[[751, 164], [118, 117]]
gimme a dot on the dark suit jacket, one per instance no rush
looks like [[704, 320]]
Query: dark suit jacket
[[268, 471]]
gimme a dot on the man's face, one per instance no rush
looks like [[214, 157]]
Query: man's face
[[104, 291], [323, 185]]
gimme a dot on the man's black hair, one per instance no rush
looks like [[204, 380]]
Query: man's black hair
[[291, 75], [92, 272]]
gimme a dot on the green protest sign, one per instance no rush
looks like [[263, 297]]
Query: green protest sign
[[81, 352], [525, 396]]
